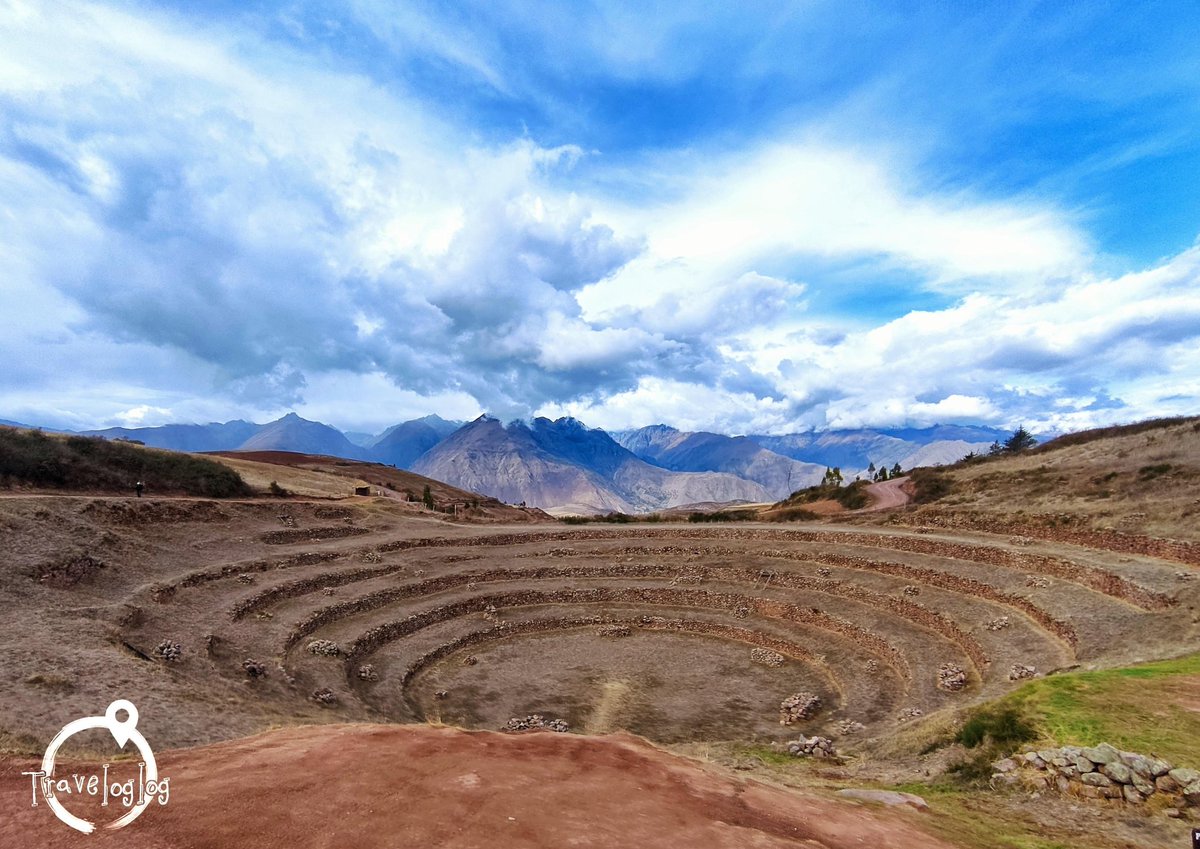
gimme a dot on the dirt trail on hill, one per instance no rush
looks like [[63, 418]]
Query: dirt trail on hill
[[887, 495], [372, 787]]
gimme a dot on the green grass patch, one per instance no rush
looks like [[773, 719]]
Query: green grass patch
[[1149, 708], [769, 756]]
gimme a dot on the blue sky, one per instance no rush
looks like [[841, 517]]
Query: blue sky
[[742, 217]]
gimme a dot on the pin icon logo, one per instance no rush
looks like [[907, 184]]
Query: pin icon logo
[[124, 731]]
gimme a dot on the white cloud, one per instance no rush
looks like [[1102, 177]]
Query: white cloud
[[809, 199], [199, 223]]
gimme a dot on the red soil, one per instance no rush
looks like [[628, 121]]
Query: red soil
[[369, 786]]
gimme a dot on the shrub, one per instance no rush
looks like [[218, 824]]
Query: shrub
[[929, 485], [32, 458], [852, 497], [1002, 726], [278, 491], [792, 514], [992, 733], [976, 769], [723, 516]]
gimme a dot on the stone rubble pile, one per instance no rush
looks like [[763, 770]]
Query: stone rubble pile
[[998, 624], [1019, 672], [324, 696], [169, 650], [367, 672], [912, 589], [615, 631], [767, 657], [951, 677], [1037, 582], [328, 648], [811, 747], [910, 713], [254, 669], [536, 722], [798, 707], [1101, 772], [849, 726]]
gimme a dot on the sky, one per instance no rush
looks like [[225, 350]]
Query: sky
[[754, 217]]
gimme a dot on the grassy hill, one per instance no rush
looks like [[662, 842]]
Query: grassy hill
[[34, 460], [311, 475], [1140, 479]]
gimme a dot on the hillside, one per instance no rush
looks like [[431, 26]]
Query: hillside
[[310, 475], [30, 459], [689, 635], [1136, 480]]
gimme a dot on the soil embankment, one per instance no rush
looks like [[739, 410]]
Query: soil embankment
[[373, 786]]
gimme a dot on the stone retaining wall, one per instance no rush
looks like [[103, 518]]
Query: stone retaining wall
[[1100, 772]]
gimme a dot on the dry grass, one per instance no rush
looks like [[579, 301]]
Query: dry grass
[[1144, 481], [298, 480]]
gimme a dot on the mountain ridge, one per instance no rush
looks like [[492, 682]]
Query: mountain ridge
[[567, 466]]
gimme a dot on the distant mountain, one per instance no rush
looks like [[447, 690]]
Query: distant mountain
[[360, 438], [292, 433], [400, 445], [215, 436], [678, 451], [855, 450], [565, 466]]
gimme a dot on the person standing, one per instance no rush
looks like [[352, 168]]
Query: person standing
[[138, 487]]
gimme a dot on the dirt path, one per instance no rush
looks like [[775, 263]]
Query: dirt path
[[372, 787], [612, 697], [887, 495]]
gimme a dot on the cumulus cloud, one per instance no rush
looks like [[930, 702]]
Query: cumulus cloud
[[201, 223]]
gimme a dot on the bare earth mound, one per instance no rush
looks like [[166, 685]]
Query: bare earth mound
[[384, 786]]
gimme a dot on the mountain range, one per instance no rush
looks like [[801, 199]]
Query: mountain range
[[566, 467]]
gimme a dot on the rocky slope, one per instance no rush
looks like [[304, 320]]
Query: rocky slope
[[679, 451], [567, 467]]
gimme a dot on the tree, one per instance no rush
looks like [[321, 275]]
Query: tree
[[995, 448], [871, 469], [897, 471], [427, 497], [833, 477], [1019, 441], [882, 474]]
